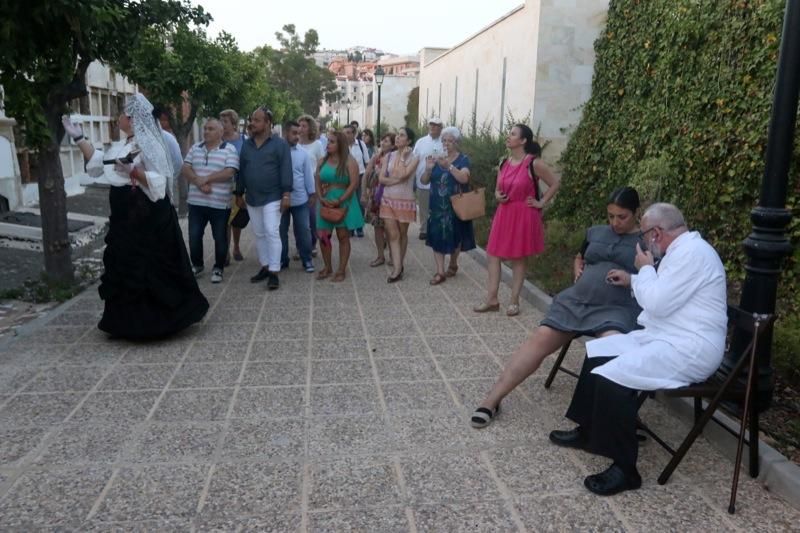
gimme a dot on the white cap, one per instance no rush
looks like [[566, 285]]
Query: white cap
[[436, 120]]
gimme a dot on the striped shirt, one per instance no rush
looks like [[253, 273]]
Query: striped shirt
[[205, 162]]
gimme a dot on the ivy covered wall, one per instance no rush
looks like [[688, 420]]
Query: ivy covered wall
[[680, 107]]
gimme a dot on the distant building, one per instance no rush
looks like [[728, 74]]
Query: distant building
[[536, 62]]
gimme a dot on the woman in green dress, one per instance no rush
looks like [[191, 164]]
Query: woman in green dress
[[337, 180]]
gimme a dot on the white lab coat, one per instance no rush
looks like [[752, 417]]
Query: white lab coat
[[684, 317]]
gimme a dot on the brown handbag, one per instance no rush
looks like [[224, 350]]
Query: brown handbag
[[469, 205], [334, 215]]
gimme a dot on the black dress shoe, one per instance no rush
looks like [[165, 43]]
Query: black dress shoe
[[272, 281], [574, 438], [261, 276], [613, 481]]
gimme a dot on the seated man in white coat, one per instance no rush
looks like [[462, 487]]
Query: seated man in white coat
[[685, 320]]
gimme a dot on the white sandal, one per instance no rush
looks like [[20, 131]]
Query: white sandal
[[513, 310], [483, 416]]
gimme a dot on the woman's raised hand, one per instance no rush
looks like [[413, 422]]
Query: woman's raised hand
[[73, 130], [429, 163]]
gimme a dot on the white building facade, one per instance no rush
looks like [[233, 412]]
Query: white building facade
[[535, 63]]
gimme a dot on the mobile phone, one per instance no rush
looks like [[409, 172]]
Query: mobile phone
[[127, 160]]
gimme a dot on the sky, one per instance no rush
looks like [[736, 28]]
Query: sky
[[400, 27]]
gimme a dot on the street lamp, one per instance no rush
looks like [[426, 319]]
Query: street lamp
[[379, 81], [348, 102], [768, 245]]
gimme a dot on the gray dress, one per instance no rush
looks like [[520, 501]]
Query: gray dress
[[592, 306]]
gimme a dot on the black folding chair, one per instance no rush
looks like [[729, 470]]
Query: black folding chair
[[557, 365]]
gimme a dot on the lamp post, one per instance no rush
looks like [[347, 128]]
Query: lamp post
[[768, 244], [379, 81], [348, 102]]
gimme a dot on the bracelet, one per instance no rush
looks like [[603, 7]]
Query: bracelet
[[78, 139]]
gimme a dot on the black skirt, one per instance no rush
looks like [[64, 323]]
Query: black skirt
[[148, 286]]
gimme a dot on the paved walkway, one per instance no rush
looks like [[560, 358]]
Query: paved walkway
[[321, 407]]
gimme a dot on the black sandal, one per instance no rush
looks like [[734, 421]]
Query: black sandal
[[483, 416]]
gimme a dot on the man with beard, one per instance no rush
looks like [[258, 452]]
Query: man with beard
[[684, 319]]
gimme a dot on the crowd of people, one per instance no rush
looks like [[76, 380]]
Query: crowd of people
[[654, 299]]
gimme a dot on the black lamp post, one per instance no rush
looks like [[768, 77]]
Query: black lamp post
[[379, 74], [348, 102], [768, 244]]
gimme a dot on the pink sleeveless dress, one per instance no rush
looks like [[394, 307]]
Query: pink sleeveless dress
[[517, 230]]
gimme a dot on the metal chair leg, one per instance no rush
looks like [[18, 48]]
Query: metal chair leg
[[557, 365], [746, 414]]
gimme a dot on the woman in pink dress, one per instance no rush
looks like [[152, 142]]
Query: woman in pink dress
[[517, 232]]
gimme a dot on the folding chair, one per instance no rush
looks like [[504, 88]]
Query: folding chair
[[557, 365], [723, 387]]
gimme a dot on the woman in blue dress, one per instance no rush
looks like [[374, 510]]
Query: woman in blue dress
[[446, 233]]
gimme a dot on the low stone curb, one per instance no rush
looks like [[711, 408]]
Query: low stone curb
[[777, 473]]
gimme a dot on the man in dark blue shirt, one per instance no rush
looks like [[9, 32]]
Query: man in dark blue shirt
[[265, 179]]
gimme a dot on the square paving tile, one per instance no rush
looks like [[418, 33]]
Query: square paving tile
[[253, 489], [756, 508], [407, 369], [536, 468], [116, 406], [352, 483], [409, 346], [76, 318], [282, 330], [279, 349], [336, 348], [580, 511], [14, 378], [277, 521], [469, 366], [66, 379], [347, 435], [206, 375], [434, 310], [152, 492], [434, 430], [495, 324], [384, 519], [234, 315], [341, 371], [269, 402], [194, 405], [460, 345], [504, 342], [385, 312], [156, 353], [391, 328], [176, 441], [449, 325], [52, 499], [17, 354], [38, 409], [275, 373], [16, 443], [97, 353], [217, 352], [339, 329], [344, 399], [488, 517], [57, 335], [448, 478], [417, 395], [224, 332], [86, 442], [137, 377], [265, 439]]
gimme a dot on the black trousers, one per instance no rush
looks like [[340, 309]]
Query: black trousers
[[606, 411]]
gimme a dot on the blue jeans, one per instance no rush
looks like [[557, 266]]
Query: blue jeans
[[302, 233], [199, 216]]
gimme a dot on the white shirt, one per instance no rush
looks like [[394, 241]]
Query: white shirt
[[314, 149], [684, 314], [423, 148], [359, 152], [156, 187]]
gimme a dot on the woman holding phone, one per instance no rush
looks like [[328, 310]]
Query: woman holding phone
[[517, 231]]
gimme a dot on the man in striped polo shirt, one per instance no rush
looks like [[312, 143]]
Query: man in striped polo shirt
[[209, 168]]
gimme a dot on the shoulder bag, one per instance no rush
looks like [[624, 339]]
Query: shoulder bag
[[471, 204]]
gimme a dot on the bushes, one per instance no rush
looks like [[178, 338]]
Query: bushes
[[681, 100], [786, 347]]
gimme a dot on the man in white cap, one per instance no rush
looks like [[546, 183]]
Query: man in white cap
[[430, 145]]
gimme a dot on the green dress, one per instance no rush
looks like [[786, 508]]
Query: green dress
[[354, 219]]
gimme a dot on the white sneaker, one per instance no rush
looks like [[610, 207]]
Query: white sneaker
[[216, 275]]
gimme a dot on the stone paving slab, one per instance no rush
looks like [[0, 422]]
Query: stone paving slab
[[323, 407]]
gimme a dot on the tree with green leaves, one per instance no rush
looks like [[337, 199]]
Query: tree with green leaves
[[47, 47], [199, 77], [292, 69]]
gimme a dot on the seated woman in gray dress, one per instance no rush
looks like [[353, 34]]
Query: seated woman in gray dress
[[589, 307]]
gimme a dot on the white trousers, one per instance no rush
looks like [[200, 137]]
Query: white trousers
[[266, 223]]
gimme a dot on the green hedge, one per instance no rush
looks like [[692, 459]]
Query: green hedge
[[680, 107]]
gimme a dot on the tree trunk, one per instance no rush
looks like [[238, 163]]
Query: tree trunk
[[182, 131], [53, 206]]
